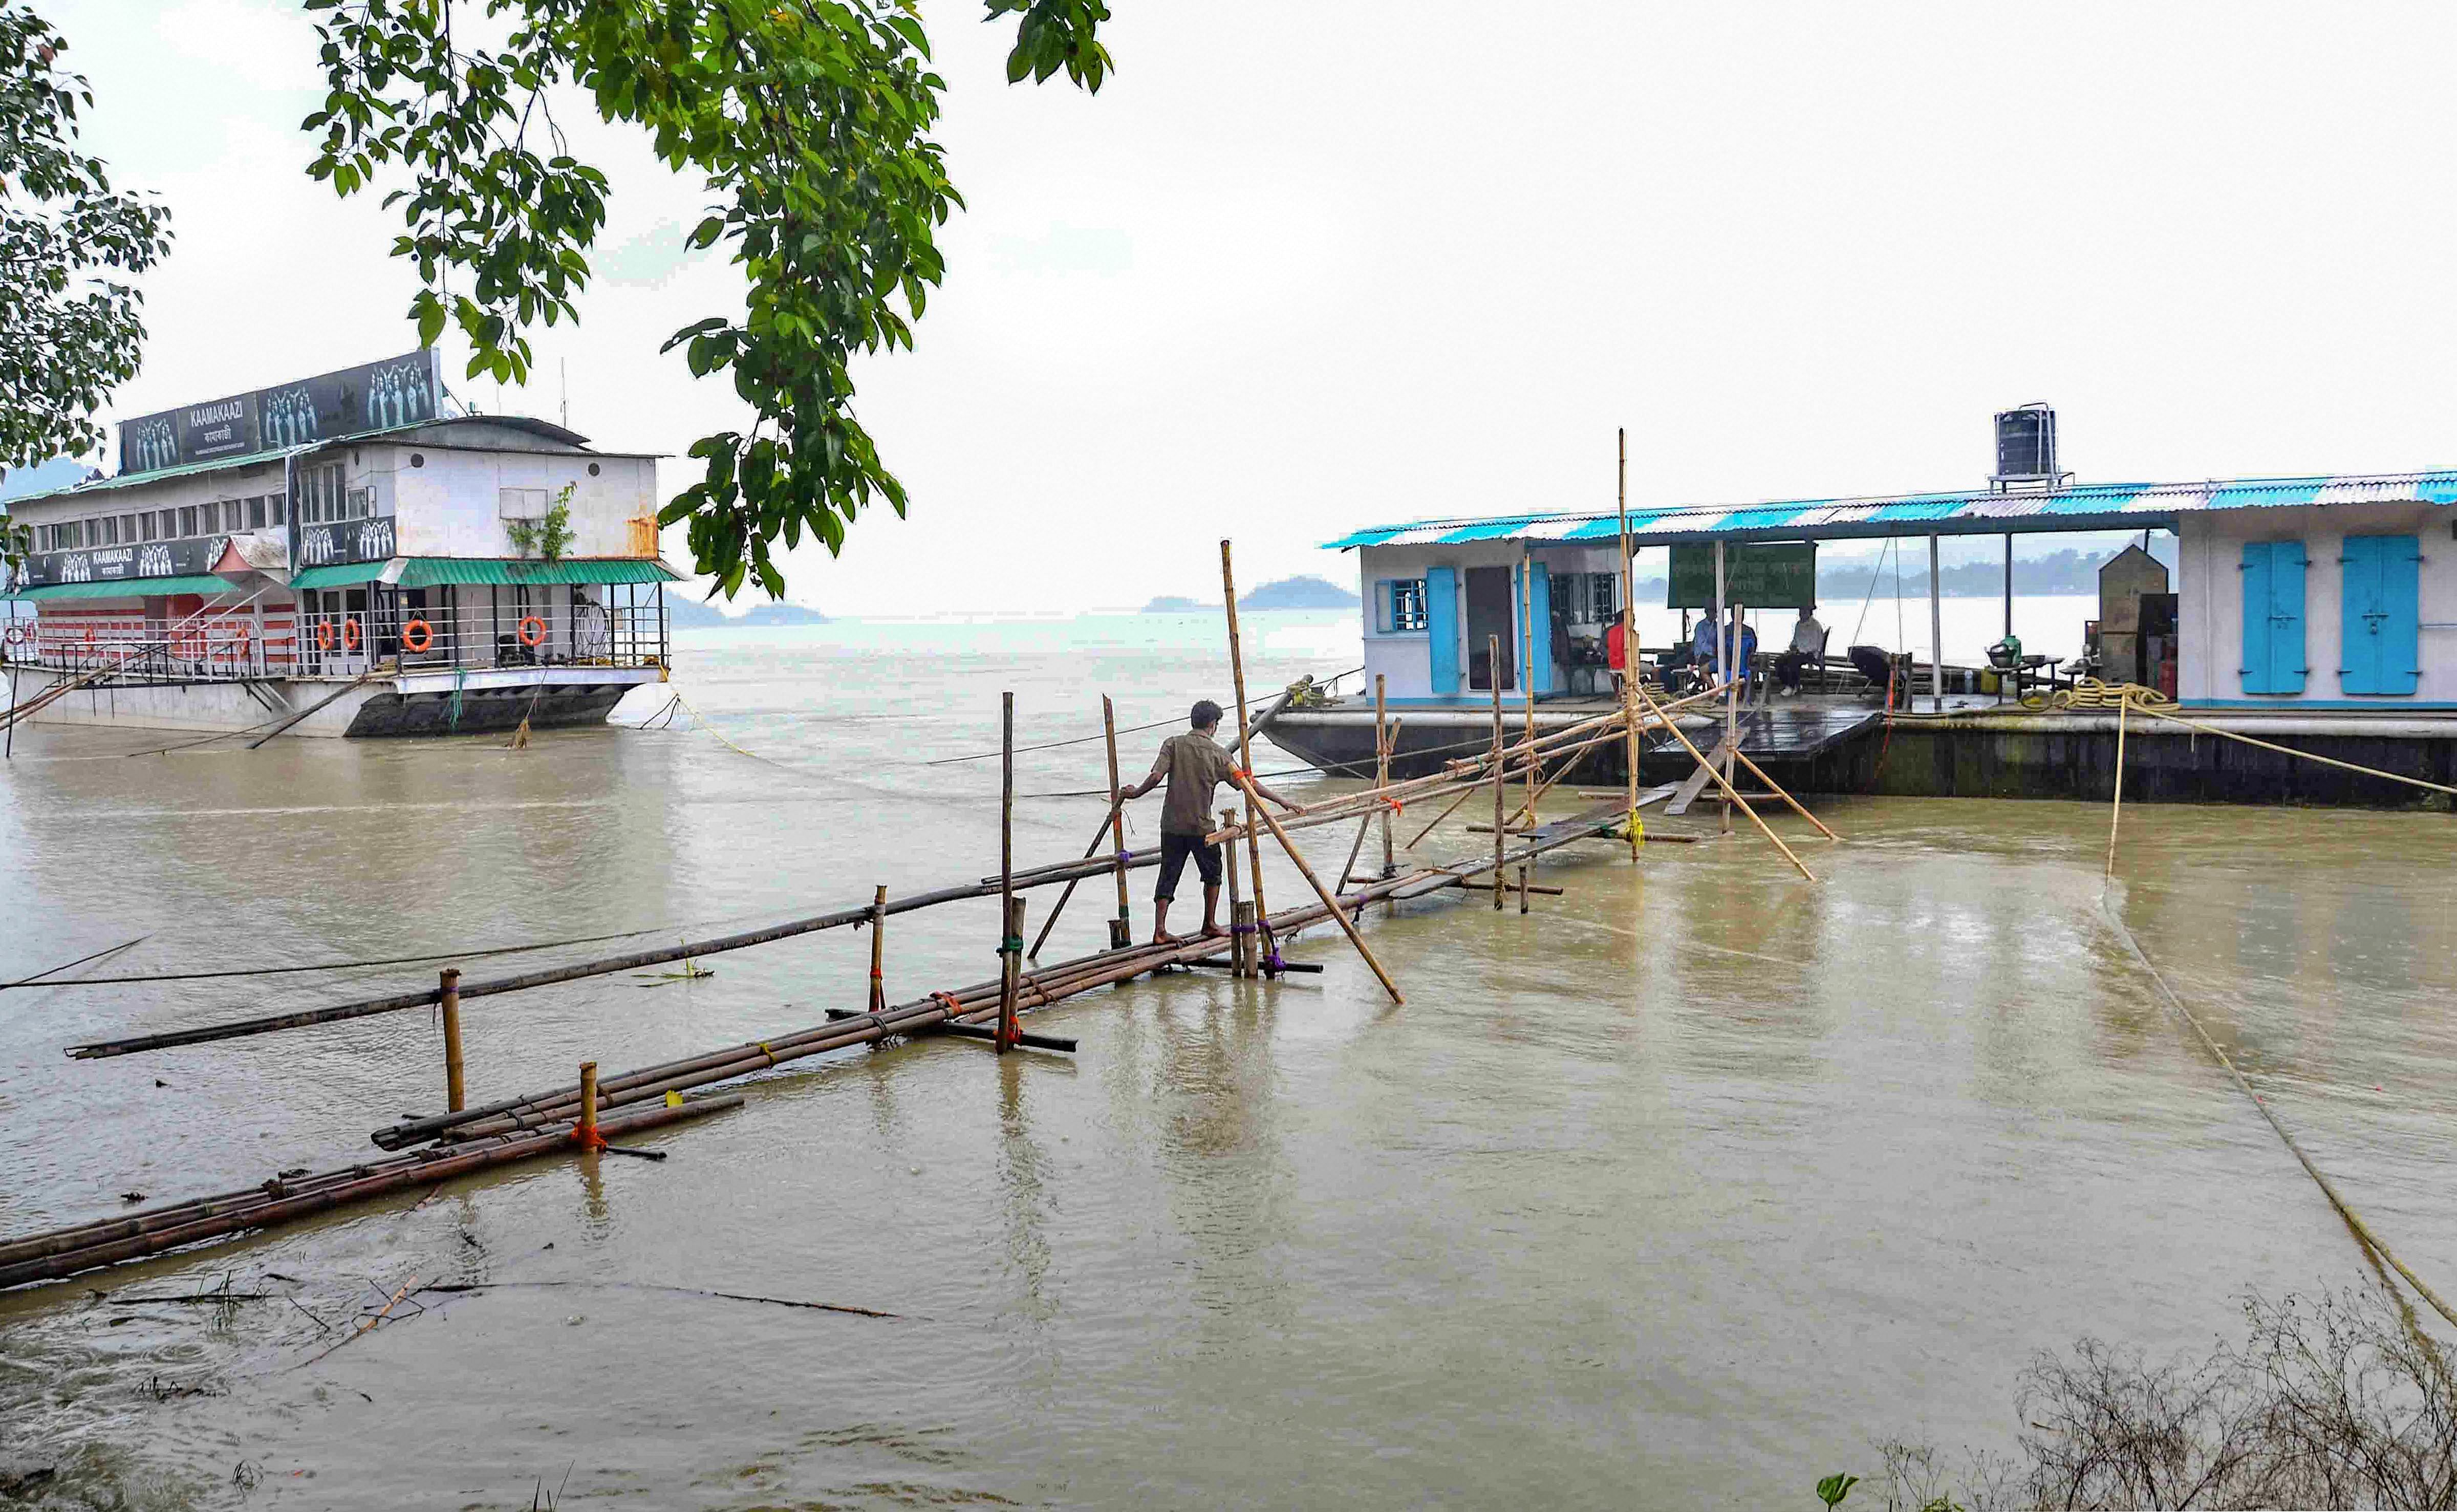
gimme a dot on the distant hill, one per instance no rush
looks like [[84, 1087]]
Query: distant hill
[[1171, 603], [687, 613], [1299, 592]]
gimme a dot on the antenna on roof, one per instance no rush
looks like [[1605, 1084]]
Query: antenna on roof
[[567, 391]]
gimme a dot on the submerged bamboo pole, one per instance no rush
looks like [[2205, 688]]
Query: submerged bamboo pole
[[2115, 810], [1527, 692], [1629, 647], [1778, 790], [1732, 793], [584, 1134], [1121, 928], [1268, 954], [1383, 739], [878, 949], [1338, 914], [1010, 922], [1010, 968], [448, 994], [1240, 928], [143, 1234], [1493, 671]]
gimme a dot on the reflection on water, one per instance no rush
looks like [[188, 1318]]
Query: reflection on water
[[1679, 1190]]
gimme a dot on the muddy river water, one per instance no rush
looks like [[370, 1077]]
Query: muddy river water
[[1679, 1191]]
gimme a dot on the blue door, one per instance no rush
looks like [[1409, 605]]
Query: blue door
[[2273, 617], [1442, 630], [2380, 599]]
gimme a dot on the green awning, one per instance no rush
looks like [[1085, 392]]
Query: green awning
[[341, 574], [434, 571], [130, 587]]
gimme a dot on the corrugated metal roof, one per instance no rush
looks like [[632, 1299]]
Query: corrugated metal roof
[[434, 571], [340, 574], [129, 587], [2118, 506]]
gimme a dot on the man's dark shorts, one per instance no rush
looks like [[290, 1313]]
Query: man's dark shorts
[[1174, 849]]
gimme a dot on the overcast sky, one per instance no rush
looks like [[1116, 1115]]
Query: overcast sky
[[1304, 266]]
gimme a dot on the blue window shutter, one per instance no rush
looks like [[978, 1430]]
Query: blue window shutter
[[2254, 668], [1442, 630], [2380, 599], [1540, 614], [2273, 617]]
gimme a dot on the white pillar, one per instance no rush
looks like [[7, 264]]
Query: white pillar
[[1935, 630]]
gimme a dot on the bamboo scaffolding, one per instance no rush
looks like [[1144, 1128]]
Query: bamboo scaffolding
[[1338, 914], [1779, 790], [543, 1123], [1527, 690], [1241, 928], [1733, 794], [1465, 780]]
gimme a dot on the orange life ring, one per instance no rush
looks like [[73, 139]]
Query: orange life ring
[[417, 636], [89, 634], [349, 634], [528, 639], [323, 635], [17, 635]]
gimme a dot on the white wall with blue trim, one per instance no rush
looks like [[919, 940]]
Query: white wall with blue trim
[[2348, 605], [1434, 662]]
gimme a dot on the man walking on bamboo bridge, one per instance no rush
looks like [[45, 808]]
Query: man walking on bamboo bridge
[[1194, 766]]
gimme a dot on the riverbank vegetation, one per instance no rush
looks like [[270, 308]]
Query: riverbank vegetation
[[2340, 1403]]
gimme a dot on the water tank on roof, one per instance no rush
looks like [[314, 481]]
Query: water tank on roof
[[2026, 444]]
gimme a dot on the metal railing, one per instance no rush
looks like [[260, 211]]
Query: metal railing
[[469, 638], [235, 653]]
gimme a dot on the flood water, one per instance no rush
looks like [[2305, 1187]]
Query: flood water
[[1677, 1192]]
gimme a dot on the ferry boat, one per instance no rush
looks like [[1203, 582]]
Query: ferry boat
[[340, 556]]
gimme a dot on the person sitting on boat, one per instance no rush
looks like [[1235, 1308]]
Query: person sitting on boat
[[1712, 648], [1808, 645], [1193, 765]]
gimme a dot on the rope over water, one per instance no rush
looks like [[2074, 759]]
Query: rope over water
[[2362, 1230]]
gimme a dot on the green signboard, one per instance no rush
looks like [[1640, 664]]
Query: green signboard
[[1782, 576]]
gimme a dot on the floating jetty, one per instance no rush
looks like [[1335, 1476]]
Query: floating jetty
[[580, 1116]]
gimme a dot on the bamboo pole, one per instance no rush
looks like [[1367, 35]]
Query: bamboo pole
[[1239, 932], [1630, 672], [2115, 811], [1730, 792], [1347, 926], [1121, 928], [130, 1238], [2328, 761], [1777, 789], [1383, 739], [1493, 672], [1010, 922], [1527, 692], [878, 949], [448, 988], [1010, 968], [584, 1134], [1357, 848], [1724, 649], [1267, 953]]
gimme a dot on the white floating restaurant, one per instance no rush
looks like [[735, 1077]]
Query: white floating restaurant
[[2320, 612], [343, 555]]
